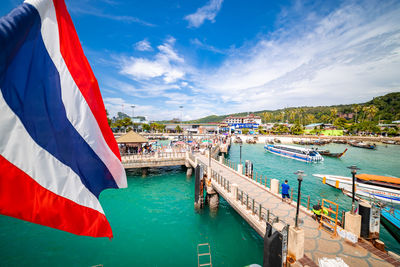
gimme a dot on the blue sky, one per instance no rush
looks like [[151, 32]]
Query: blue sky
[[226, 56]]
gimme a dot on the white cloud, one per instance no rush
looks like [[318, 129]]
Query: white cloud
[[143, 45], [167, 65], [350, 55], [207, 12], [347, 56]]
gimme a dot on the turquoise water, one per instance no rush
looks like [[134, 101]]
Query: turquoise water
[[382, 161], [154, 224]]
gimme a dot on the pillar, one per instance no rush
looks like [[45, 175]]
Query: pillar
[[234, 190], [240, 168], [353, 223], [275, 186], [189, 171], [296, 243], [221, 159]]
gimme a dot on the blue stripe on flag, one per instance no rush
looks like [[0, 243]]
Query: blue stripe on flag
[[31, 87]]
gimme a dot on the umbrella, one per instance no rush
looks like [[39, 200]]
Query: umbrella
[[206, 141], [179, 143]]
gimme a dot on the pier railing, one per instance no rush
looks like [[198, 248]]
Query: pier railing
[[128, 158], [305, 200], [246, 200]]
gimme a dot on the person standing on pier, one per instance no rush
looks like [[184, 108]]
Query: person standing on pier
[[285, 191]]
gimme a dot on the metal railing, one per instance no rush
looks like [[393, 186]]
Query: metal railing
[[128, 158], [246, 200], [305, 200]]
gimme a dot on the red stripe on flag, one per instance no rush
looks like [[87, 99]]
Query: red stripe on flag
[[23, 198], [81, 72]]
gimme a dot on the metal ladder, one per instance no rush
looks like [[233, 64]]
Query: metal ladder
[[203, 254]]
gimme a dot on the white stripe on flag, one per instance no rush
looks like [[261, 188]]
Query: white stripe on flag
[[18, 147], [77, 109]]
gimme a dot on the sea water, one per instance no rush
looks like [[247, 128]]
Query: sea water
[[385, 160], [155, 224]]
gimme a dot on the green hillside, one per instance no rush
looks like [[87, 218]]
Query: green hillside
[[385, 108]]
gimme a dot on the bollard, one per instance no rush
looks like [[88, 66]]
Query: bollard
[[275, 186]]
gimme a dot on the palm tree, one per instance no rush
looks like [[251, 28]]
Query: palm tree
[[356, 109], [333, 114], [266, 116], [178, 129], [372, 110]]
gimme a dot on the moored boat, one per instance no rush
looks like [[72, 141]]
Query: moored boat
[[329, 154], [375, 188], [390, 218], [293, 152], [362, 145]]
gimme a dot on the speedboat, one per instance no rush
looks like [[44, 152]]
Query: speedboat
[[294, 152], [375, 188]]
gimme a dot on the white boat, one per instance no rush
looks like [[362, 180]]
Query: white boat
[[294, 152], [375, 188]]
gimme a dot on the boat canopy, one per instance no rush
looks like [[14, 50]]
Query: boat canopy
[[372, 177]]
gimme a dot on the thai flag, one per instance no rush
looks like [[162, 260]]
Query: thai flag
[[57, 152]]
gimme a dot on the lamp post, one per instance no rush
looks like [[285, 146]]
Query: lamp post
[[240, 153], [209, 155], [300, 175], [353, 169]]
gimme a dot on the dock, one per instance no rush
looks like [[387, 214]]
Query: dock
[[253, 199], [255, 202]]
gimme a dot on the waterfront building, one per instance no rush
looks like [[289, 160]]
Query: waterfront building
[[243, 120]]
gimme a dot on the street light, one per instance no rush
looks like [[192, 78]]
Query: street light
[[300, 175], [353, 169]]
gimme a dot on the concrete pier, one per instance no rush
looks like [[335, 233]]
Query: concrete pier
[[256, 203]]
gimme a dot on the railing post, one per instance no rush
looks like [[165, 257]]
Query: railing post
[[247, 201], [267, 216], [242, 196], [260, 212], [228, 187], [308, 202], [253, 208], [237, 193]]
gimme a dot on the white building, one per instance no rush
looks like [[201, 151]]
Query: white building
[[247, 119]]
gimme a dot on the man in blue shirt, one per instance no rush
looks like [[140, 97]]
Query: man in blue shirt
[[285, 191]]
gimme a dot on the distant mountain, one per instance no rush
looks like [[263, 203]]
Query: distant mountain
[[388, 109]]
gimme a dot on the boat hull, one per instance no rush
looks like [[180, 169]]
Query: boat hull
[[292, 155], [366, 191]]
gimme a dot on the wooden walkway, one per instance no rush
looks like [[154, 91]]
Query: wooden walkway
[[255, 203]]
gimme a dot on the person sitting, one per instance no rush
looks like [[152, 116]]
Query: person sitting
[[317, 210], [285, 191]]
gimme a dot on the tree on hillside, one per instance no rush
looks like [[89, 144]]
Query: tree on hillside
[[356, 108], [340, 123], [333, 116], [324, 118], [266, 116], [297, 129]]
